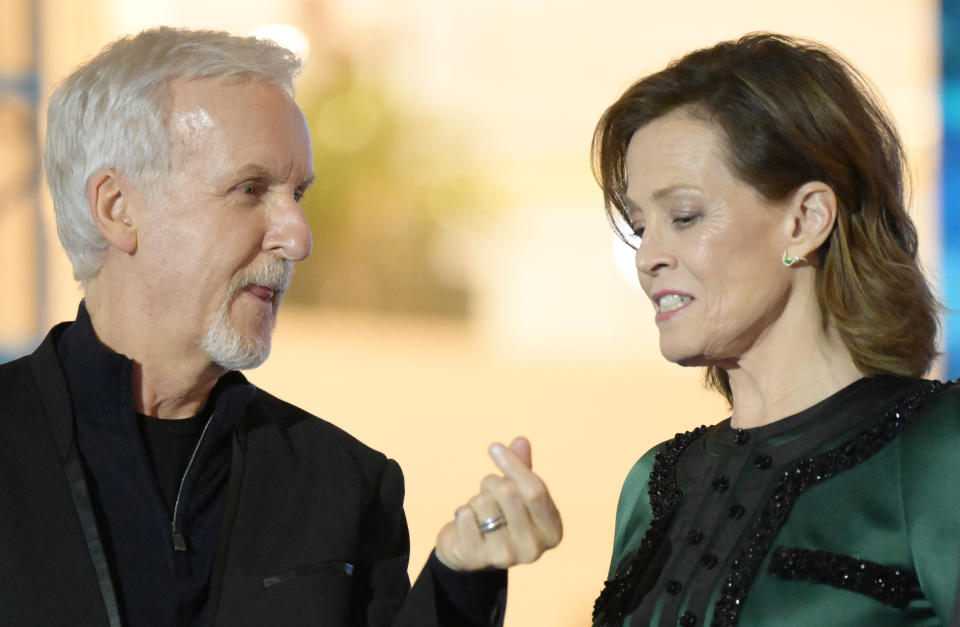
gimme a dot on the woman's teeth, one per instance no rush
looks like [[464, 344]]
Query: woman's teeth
[[671, 302]]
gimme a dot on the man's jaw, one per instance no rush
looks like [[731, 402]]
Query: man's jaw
[[224, 342]]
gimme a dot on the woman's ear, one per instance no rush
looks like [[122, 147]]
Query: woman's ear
[[812, 213], [108, 196]]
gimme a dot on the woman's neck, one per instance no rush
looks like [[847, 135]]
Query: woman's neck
[[784, 378]]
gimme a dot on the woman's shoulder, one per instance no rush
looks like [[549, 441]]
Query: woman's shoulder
[[929, 462], [935, 424], [660, 459], [656, 466], [639, 473], [929, 490], [634, 512], [942, 398], [636, 509], [633, 492]]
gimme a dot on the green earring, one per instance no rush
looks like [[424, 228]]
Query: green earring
[[789, 261]]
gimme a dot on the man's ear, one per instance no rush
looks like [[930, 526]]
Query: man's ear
[[108, 196], [811, 214]]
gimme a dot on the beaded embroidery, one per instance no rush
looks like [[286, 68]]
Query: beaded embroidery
[[664, 498], [795, 482], [887, 584]]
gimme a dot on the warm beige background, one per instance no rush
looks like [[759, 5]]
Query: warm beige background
[[560, 347]]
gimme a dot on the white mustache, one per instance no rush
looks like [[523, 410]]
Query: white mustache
[[273, 273]]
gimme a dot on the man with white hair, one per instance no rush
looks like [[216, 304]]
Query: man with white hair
[[143, 480]]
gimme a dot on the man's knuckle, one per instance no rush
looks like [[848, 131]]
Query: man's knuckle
[[503, 557], [490, 482], [478, 502], [529, 552], [508, 490], [536, 492]]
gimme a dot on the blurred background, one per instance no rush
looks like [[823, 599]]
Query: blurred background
[[464, 286]]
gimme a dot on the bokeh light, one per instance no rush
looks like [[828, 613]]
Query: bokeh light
[[290, 37]]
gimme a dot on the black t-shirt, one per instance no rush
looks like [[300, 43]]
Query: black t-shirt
[[170, 445]]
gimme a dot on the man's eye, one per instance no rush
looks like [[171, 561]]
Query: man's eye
[[253, 189]]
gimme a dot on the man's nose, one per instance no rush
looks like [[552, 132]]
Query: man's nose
[[288, 234]]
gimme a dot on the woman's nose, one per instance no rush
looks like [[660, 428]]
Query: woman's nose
[[653, 256]]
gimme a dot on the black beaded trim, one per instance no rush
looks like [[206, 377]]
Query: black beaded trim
[[887, 584], [665, 496], [806, 474]]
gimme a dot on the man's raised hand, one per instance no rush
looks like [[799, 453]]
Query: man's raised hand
[[511, 520]]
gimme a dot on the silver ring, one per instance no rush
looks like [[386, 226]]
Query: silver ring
[[492, 524]]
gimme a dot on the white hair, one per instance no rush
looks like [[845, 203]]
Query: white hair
[[113, 112]]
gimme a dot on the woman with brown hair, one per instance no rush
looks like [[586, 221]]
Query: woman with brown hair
[[761, 184]]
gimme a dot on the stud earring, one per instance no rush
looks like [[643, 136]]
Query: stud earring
[[789, 261]]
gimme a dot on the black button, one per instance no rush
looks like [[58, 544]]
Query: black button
[[709, 560], [741, 437], [721, 483], [736, 511], [762, 461], [694, 537], [688, 620], [674, 587]]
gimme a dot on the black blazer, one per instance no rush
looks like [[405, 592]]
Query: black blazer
[[313, 531]]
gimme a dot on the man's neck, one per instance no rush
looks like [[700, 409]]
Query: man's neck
[[171, 379], [163, 394]]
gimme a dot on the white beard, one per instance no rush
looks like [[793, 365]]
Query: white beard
[[224, 344]]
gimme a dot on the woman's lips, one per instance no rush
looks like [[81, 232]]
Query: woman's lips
[[669, 302]]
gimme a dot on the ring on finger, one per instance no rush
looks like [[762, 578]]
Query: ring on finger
[[492, 524]]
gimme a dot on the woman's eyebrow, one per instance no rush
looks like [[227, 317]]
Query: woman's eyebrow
[[673, 189]]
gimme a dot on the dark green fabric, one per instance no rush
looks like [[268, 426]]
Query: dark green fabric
[[900, 507]]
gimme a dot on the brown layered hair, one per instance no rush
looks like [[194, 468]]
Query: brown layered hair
[[794, 111]]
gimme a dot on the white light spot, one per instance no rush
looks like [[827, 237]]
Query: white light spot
[[191, 125], [624, 258]]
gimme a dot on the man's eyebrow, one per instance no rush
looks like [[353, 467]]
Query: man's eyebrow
[[255, 171], [258, 172]]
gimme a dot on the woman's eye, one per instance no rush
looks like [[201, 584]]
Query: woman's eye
[[685, 220], [632, 236]]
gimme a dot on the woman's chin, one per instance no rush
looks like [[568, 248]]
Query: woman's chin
[[698, 360], [684, 358]]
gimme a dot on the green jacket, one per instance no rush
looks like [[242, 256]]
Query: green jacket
[[845, 514]]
